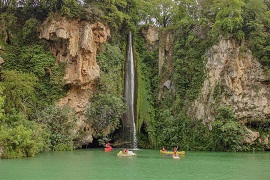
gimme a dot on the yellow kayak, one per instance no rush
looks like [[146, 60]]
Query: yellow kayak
[[171, 152], [129, 154]]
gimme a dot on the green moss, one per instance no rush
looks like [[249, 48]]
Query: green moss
[[146, 78]]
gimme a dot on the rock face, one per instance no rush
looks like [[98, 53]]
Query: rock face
[[235, 78], [165, 60], [163, 41], [240, 80], [151, 35], [75, 43]]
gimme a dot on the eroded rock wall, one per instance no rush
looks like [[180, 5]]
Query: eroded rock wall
[[235, 78], [163, 41], [75, 43], [240, 79]]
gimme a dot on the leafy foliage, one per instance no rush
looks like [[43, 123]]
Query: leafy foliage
[[157, 12], [19, 90], [106, 107], [31, 81], [227, 133], [228, 18], [30, 59], [111, 61], [147, 81], [71, 8], [8, 21], [114, 12], [20, 137], [59, 123], [29, 31], [180, 131], [256, 28], [2, 103], [38, 62], [189, 61], [104, 113]]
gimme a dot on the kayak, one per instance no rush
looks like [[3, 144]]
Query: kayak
[[108, 149], [129, 154], [171, 152]]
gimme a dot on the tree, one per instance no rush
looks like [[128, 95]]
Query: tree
[[8, 21], [59, 123], [228, 17], [5, 4], [19, 91], [20, 137], [114, 12], [71, 8], [104, 113], [29, 31], [110, 61], [227, 133], [253, 15], [38, 61], [256, 28], [157, 12]]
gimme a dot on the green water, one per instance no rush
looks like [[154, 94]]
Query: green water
[[94, 164]]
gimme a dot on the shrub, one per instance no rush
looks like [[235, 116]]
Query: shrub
[[20, 137], [104, 113], [59, 122]]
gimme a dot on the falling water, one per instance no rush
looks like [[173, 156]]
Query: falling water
[[129, 119]]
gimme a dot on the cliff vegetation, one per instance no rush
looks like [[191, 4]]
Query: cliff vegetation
[[202, 73]]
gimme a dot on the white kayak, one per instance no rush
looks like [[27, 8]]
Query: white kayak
[[130, 153], [176, 157]]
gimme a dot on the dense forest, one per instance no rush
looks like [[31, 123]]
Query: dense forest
[[32, 83]]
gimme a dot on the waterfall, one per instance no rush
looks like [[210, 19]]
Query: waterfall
[[129, 118]]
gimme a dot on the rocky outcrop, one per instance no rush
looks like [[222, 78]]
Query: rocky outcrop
[[163, 41], [251, 136], [151, 35], [236, 79], [75, 44], [165, 63], [165, 60]]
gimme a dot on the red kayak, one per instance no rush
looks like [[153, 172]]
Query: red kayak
[[108, 149]]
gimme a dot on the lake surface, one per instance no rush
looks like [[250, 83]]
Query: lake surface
[[149, 164]]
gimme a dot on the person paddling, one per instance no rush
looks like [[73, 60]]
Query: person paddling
[[108, 145], [125, 151], [163, 149], [175, 151]]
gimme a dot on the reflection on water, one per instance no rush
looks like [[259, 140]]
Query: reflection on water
[[148, 164]]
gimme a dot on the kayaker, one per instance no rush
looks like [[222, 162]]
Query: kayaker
[[125, 151], [175, 151], [163, 149], [108, 145]]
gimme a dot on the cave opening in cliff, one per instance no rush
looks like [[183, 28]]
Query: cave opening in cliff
[[143, 136], [94, 144], [261, 126], [116, 137]]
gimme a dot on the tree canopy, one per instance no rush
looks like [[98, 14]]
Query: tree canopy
[[30, 80]]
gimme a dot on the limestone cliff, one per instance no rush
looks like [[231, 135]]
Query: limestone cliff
[[235, 78], [75, 43], [163, 41]]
